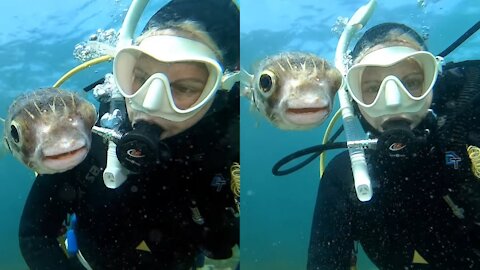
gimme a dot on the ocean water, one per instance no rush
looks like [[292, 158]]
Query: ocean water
[[36, 48], [277, 211]]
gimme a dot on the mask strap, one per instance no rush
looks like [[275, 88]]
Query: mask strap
[[229, 79], [440, 62]]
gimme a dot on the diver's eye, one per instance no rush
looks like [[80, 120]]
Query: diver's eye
[[266, 81], [14, 133]]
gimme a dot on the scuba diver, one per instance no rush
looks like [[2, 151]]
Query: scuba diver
[[425, 209], [180, 144]]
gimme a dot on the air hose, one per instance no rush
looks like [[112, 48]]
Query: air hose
[[314, 150]]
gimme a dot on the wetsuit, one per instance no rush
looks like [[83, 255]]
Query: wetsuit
[[425, 205], [161, 219]]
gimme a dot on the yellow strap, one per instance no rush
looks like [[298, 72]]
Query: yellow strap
[[235, 182], [236, 4], [417, 258], [474, 154], [143, 247]]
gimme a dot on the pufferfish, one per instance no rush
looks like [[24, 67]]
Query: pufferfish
[[49, 130], [293, 90]]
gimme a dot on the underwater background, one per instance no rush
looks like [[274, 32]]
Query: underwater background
[[37, 41], [277, 210]]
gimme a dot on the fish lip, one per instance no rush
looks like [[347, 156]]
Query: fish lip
[[56, 160], [307, 115], [305, 110], [65, 161]]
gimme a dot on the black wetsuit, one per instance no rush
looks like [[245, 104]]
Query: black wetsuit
[[408, 223], [148, 222]]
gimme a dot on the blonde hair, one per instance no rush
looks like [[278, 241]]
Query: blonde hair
[[393, 37], [186, 29]]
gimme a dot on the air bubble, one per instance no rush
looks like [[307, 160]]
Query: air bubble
[[339, 25], [103, 42]]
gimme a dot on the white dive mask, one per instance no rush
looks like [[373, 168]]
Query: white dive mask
[[155, 97], [394, 83]]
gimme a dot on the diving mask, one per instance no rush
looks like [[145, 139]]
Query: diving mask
[[393, 83], [152, 92]]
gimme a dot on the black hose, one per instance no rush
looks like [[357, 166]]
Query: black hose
[[314, 150], [460, 40], [462, 64], [92, 85]]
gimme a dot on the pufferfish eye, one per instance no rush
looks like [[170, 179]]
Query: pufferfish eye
[[14, 133], [267, 81]]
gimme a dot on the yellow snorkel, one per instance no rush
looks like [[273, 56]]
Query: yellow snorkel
[[354, 138]]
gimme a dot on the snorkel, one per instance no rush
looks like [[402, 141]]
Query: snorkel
[[361, 177], [354, 135], [132, 18], [115, 174]]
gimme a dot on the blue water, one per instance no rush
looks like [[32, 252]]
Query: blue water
[[277, 211], [36, 49], [36, 45]]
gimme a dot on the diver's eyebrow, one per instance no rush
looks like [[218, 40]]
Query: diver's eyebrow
[[371, 81], [189, 80], [418, 73], [139, 71]]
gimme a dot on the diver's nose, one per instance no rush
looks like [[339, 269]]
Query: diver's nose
[[392, 94], [155, 93]]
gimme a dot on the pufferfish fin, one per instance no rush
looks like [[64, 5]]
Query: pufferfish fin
[[4, 149], [246, 84]]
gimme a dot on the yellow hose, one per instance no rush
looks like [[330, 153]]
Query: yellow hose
[[82, 66], [325, 139], [474, 154]]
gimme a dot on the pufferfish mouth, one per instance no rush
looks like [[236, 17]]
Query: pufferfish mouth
[[307, 115], [306, 110], [65, 155], [64, 160]]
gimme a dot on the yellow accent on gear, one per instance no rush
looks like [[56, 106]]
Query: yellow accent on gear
[[474, 154], [417, 258], [82, 66], [325, 138], [235, 182], [236, 4], [61, 242], [143, 247]]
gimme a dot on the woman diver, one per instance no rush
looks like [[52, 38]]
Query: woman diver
[[177, 204], [425, 209]]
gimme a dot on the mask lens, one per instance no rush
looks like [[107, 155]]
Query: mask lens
[[188, 88], [167, 76], [415, 74], [139, 78], [187, 80]]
